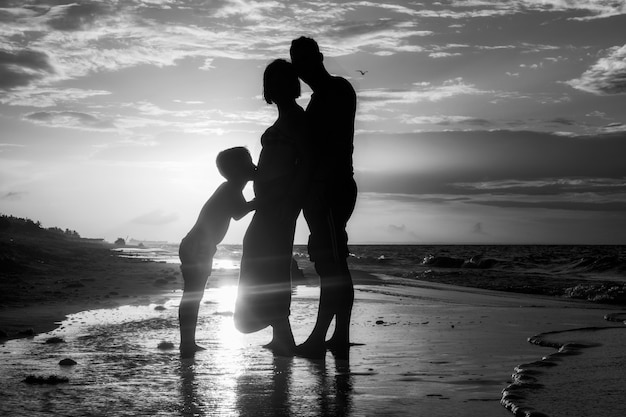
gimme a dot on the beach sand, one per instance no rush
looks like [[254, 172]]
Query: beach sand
[[425, 349], [43, 280]]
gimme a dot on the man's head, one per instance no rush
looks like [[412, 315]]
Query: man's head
[[236, 164], [307, 59]]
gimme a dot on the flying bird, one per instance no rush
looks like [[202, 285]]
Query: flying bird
[[362, 72]]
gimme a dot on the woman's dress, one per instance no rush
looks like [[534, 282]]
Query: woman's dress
[[264, 290]]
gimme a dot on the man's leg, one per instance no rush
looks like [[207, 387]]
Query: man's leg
[[344, 197], [342, 299]]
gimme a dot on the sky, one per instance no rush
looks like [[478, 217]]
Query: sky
[[478, 121]]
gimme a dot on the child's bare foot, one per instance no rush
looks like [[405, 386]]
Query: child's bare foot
[[187, 351]]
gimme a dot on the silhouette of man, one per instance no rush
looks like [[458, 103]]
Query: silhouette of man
[[332, 196]]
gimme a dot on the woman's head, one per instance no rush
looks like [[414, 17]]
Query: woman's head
[[280, 82]]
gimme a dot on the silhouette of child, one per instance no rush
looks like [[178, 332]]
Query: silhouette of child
[[200, 244]]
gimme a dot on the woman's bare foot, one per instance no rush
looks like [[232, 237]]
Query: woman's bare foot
[[282, 343], [280, 348]]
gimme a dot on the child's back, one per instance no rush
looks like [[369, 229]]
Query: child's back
[[201, 242]]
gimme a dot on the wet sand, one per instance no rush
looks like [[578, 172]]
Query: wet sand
[[425, 350]]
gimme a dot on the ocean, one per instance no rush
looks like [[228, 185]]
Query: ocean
[[594, 273]]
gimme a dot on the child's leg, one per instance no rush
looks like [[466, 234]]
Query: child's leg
[[195, 278]]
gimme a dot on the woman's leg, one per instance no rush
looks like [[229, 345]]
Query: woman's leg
[[282, 343]]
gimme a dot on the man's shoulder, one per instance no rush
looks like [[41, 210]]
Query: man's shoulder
[[341, 83], [343, 91]]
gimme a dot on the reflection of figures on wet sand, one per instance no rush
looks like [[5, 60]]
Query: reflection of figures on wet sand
[[284, 386], [297, 388]]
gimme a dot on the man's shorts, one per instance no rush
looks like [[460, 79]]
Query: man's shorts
[[327, 218]]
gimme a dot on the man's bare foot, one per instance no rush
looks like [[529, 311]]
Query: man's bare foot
[[187, 351]]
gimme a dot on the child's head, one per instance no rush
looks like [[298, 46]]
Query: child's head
[[235, 164], [280, 82]]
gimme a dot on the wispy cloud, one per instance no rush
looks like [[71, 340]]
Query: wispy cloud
[[47, 96], [419, 92], [44, 42], [606, 76], [13, 195], [609, 206], [70, 119], [444, 120]]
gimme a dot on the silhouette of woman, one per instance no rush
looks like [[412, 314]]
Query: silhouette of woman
[[264, 291]]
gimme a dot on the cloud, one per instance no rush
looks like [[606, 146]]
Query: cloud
[[192, 120], [614, 127], [419, 92], [546, 186], [13, 195], [22, 67], [86, 37], [47, 96], [606, 76], [156, 218], [610, 206], [74, 16], [596, 9], [470, 162], [70, 119], [444, 120]]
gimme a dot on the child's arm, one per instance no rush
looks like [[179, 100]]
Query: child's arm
[[246, 208], [242, 208]]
